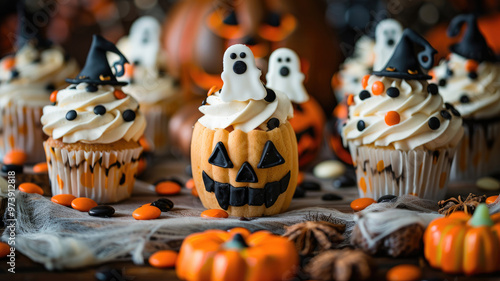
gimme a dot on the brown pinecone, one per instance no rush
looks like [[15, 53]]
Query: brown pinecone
[[311, 235], [341, 265]]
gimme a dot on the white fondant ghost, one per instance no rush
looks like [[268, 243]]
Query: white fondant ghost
[[144, 42], [284, 75], [241, 76], [387, 35]]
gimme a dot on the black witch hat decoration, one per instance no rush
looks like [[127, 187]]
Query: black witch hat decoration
[[96, 70], [28, 31], [405, 63], [473, 45]]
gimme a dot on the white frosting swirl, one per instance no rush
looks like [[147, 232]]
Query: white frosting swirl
[[483, 92], [244, 115], [149, 88], [89, 127], [415, 107]]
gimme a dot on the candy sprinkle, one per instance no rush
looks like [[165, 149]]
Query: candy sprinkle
[[404, 272], [41, 168], [167, 188], [146, 212], [29, 187], [83, 204], [214, 213], [63, 199], [163, 259], [15, 157], [361, 203]]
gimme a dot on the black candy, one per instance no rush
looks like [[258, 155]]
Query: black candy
[[445, 114], [364, 95], [299, 192], [108, 274], [102, 211], [99, 110], [91, 88], [433, 88], [361, 125], [163, 204], [386, 198], [71, 115], [14, 168], [331, 197], [273, 123], [128, 115], [393, 92], [271, 95], [434, 123], [310, 185], [343, 181], [472, 75]]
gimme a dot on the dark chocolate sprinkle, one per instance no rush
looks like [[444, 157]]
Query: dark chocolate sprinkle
[[472, 75], [442, 82], [387, 198], [364, 95], [448, 105], [102, 211], [361, 125], [204, 102], [310, 185], [273, 123], [271, 95], [331, 197], [434, 123], [99, 110], [464, 98], [71, 115], [91, 88], [455, 112], [128, 115], [445, 114], [433, 88], [242, 55], [232, 56], [393, 92]]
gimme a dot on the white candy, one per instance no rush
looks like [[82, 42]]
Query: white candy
[[329, 169], [488, 183], [284, 75], [241, 76], [387, 31], [144, 40]]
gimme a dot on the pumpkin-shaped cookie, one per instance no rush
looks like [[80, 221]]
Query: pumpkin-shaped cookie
[[236, 255], [461, 244]]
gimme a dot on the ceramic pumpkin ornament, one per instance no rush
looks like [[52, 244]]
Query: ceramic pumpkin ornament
[[463, 244], [236, 255]]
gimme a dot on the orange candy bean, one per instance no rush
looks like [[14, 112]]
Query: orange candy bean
[[15, 157], [214, 213], [392, 118], [471, 65], [404, 272], [29, 187], [211, 91], [163, 259], [491, 199], [194, 192], [8, 63], [144, 143], [378, 88], [83, 204], [361, 203], [41, 168], [119, 94], [167, 188], [63, 199], [190, 184], [364, 81], [4, 249], [53, 96], [146, 212], [350, 99]]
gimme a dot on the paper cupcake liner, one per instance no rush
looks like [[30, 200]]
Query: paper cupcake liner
[[422, 173], [105, 177], [478, 154], [157, 118], [21, 129]]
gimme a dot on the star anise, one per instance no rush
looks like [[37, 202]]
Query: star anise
[[310, 235], [345, 264], [468, 205]]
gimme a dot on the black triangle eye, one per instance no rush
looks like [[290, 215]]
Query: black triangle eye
[[219, 157], [270, 157]]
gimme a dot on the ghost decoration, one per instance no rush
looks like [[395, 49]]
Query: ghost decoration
[[144, 41], [241, 76], [387, 35], [284, 75]]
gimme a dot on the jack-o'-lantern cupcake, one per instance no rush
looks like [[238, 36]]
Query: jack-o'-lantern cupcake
[[469, 80], [94, 129], [401, 136], [244, 151]]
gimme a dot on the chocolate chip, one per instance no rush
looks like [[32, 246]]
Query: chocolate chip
[[71, 115], [442, 82], [387, 198], [464, 99], [91, 88], [472, 75], [99, 110], [361, 125], [433, 88], [271, 95], [393, 92], [445, 114], [364, 95], [273, 123], [102, 211], [310, 185], [128, 115], [232, 56], [434, 123], [331, 197]]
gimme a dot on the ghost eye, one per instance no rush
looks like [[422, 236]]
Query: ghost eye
[[270, 157], [279, 59], [232, 56], [287, 59], [219, 157], [243, 55]]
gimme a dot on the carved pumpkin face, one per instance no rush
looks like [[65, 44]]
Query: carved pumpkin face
[[246, 174]]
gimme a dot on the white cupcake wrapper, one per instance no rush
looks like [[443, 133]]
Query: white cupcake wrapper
[[70, 172], [422, 173], [478, 154], [155, 133], [21, 129]]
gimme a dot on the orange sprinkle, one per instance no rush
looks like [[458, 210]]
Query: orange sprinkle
[[404, 272], [163, 259], [471, 65], [300, 178], [63, 199], [378, 88], [41, 168], [361, 203], [190, 184], [4, 249], [144, 143], [83, 204], [119, 94], [8, 63], [53, 96], [214, 213], [364, 81], [167, 188], [491, 199], [350, 99], [15, 157], [29, 187], [194, 192], [392, 118], [129, 69], [146, 212], [212, 90]]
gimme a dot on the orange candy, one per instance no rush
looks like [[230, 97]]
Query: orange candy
[[163, 259], [119, 94], [83, 204], [129, 69], [15, 157], [194, 192], [29, 187], [211, 91], [491, 199], [378, 88], [41, 168], [8, 63], [63, 199], [4, 249], [392, 118], [300, 178], [404, 272], [190, 184], [471, 65], [214, 213], [364, 81], [53, 96], [167, 188], [350, 99], [144, 143], [146, 212], [361, 203]]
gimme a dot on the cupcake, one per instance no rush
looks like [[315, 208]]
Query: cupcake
[[401, 136], [27, 78], [94, 128], [469, 80], [243, 151], [157, 93]]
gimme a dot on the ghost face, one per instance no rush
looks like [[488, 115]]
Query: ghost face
[[283, 62], [145, 41], [284, 75], [387, 35]]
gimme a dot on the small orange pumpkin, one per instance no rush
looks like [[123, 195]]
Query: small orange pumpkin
[[236, 255], [461, 244]]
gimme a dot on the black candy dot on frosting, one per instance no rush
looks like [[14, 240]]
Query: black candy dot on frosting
[[433, 89], [14, 73], [361, 125], [434, 123], [232, 56], [128, 115], [464, 99], [455, 112], [273, 123], [449, 72], [442, 82], [71, 115], [243, 55], [472, 75], [72, 87], [91, 88], [271, 95], [445, 114], [364, 95], [448, 105], [99, 110], [393, 92]]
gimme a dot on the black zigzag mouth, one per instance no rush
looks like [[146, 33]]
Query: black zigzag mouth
[[228, 195]]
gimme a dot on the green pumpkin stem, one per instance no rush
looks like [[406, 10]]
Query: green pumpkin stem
[[481, 216], [237, 242]]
